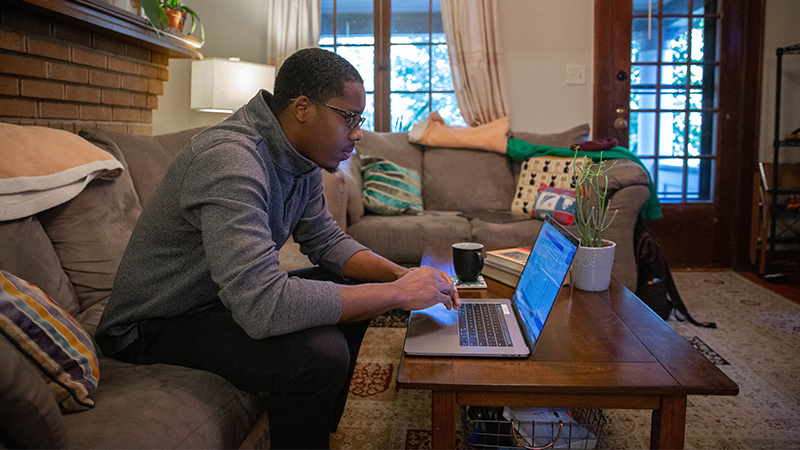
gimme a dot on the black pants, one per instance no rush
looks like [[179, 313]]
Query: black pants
[[307, 374]]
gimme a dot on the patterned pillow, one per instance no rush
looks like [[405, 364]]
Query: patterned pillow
[[52, 339], [548, 170], [559, 203], [390, 189]]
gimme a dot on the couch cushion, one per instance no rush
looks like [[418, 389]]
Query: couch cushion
[[466, 180], [162, 406], [26, 251], [29, 416], [565, 139], [89, 234], [392, 146], [402, 239], [147, 157], [351, 174], [52, 339], [388, 188]]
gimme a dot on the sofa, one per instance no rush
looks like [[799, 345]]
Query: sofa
[[457, 182], [71, 251]]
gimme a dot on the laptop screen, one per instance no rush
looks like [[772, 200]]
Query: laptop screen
[[542, 277]]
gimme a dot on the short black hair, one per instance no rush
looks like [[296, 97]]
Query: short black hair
[[313, 72]]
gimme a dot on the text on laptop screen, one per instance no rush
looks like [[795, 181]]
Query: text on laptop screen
[[542, 277]]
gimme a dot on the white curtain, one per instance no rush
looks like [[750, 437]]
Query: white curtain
[[293, 25], [476, 59]]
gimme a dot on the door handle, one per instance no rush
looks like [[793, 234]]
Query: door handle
[[620, 123]]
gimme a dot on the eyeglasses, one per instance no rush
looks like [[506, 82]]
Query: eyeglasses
[[353, 120]]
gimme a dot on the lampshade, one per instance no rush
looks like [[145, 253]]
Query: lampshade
[[224, 85]]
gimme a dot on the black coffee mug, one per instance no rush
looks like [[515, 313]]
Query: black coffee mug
[[468, 260]]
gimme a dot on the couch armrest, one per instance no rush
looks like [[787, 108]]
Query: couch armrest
[[628, 202], [335, 196]]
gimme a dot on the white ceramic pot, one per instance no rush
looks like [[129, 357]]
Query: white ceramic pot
[[591, 269]]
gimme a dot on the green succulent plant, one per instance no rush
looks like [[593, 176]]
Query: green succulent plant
[[591, 203]]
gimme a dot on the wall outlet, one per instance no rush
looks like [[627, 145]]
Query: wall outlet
[[576, 74]]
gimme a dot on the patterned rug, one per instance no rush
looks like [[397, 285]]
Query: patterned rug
[[757, 344]]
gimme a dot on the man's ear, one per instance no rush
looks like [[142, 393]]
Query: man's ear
[[301, 108]]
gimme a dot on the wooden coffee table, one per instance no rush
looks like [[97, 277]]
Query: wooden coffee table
[[598, 350]]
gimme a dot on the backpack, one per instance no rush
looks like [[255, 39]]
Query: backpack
[[655, 286]]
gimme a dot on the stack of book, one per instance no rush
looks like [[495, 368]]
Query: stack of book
[[505, 265]]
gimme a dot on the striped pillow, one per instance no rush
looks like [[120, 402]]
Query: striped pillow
[[390, 189], [52, 339]]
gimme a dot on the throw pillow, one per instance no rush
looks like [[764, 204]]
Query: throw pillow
[[389, 189], [548, 170], [52, 339], [555, 202]]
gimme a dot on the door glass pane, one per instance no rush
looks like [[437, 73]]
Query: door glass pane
[[695, 99], [675, 46], [644, 48], [644, 75], [670, 179], [408, 109], [642, 98], [410, 68], [642, 6], [700, 7], [676, 7], [695, 130], [354, 22], [447, 106], [673, 98], [642, 133], [410, 21], [673, 75], [697, 39], [671, 134], [442, 77], [363, 59], [697, 74], [700, 175]]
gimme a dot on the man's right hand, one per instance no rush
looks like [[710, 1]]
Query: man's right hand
[[422, 287]]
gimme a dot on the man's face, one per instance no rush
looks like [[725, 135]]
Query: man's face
[[330, 140]]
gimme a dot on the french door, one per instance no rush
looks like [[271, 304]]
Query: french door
[[677, 82]]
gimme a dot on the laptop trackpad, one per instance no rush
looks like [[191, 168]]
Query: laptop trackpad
[[436, 319]]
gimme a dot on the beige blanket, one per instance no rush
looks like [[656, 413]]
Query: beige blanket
[[433, 132], [44, 167]]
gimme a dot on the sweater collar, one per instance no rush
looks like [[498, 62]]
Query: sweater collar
[[258, 113]]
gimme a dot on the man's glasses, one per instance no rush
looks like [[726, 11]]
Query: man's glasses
[[353, 120]]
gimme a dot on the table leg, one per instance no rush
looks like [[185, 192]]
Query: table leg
[[443, 421], [668, 426]]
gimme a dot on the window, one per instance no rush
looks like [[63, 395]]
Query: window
[[401, 52], [673, 100]]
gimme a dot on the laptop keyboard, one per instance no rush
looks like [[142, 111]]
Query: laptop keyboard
[[482, 325]]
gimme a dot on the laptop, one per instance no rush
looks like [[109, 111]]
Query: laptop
[[512, 326]]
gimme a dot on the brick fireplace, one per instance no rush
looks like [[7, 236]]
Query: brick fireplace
[[81, 64]]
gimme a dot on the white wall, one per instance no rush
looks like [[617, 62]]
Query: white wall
[[537, 55], [540, 39], [781, 30]]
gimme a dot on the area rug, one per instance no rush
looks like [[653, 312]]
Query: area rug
[[756, 343]]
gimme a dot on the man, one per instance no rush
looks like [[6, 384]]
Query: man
[[199, 284]]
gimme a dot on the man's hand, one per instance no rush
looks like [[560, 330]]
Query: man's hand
[[416, 288], [422, 287]]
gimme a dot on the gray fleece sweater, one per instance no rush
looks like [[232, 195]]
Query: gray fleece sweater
[[213, 229]]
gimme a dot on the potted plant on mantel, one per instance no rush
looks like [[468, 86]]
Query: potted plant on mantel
[[591, 268], [171, 13]]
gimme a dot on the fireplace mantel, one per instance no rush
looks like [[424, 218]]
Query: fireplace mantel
[[97, 16]]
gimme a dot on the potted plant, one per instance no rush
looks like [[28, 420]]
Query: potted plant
[[591, 269], [171, 13]]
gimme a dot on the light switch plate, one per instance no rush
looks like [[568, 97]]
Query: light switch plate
[[576, 74]]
